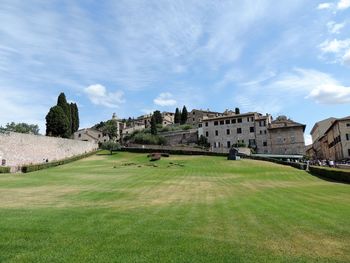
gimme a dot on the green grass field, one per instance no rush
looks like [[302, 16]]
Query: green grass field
[[123, 208]]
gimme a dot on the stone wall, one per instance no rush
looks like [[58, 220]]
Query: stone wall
[[19, 149], [180, 137]]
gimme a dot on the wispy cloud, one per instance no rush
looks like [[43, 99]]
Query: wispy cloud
[[343, 4], [324, 6]]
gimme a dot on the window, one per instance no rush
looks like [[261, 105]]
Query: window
[[251, 129], [228, 144], [233, 121], [348, 125], [264, 144], [206, 134], [261, 132], [206, 124], [265, 131], [349, 152], [216, 133], [222, 122], [216, 123], [239, 120], [292, 139], [248, 119], [347, 136], [228, 131], [239, 130], [193, 119], [194, 113], [99, 136], [227, 122], [79, 135], [199, 125]]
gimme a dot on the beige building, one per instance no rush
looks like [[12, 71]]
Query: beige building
[[195, 117], [286, 137], [248, 129], [91, 135], [317, 133], [331, 139], [168, 118], [256, 131]]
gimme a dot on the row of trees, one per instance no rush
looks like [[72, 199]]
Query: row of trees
[[62, 120], [181, 116], [21, 128]]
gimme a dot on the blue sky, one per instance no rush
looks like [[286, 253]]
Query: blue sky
[[288, 57]]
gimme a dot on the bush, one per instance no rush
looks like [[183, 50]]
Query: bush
[[331, 173], [147, 138], [4, 169], [110, 146], [36, 167]]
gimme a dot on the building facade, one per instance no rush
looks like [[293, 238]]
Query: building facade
[[90, 135], [196, 117], [256, 131]]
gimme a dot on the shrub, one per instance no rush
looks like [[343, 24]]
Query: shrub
[[331, 173], [147, 138], [110, 146], [36, 167], [4, 169]]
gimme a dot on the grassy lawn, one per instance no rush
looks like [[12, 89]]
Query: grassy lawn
[[123, 208]]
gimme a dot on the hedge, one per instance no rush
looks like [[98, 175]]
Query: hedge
[[4, 169], [301, 166], [35, 167], [170, 151], [331, 173]]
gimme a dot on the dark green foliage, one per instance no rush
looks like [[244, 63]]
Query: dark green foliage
[[177, 117], [36, 167], [237, 111], [4, 169], [301, 166], [203, 141], [184, 115], [22, 128], [62, 102], [150, 139], [334, 174], [99, 126], [239, 144], [153, 125], [57, 123], [110, 127], [110, 146], [158, 117], [74, 117]]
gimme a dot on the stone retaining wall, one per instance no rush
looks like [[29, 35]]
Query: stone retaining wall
[[19, 149]]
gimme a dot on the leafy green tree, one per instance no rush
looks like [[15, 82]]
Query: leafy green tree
[[237, 111], [153, 125], [177, 117], [110, 146], [203, 141], [57, 123], [184, 115], [111, 129], [22, 128], [62, 102], [158, 117]]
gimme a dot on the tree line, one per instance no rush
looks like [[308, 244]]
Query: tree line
[[62, 119]]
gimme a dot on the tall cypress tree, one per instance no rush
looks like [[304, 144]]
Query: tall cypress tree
[[158, 117], [184, 114], [57, 123], [74, 117], [237, 111], [76, 112], [62, 102], [177, 117], [153, 125]]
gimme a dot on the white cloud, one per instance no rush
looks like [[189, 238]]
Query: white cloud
[[165, 99], [308, 139], [334, 46], [343, 4], [334, 28], [330, 94], [99, 95], [324, 6], [346, 57]]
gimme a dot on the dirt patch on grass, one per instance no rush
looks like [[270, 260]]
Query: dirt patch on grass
[[313, 245], [34, 196]]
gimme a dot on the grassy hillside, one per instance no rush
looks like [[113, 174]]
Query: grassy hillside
[[123, 208]]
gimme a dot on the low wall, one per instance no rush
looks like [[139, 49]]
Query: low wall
[[20, 149], [331, 173]]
